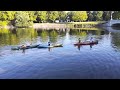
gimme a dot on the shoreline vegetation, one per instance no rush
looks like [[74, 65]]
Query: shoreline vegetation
[[55, 19]]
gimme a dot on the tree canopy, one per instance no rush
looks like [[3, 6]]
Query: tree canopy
[[79, 16], [22, 19]]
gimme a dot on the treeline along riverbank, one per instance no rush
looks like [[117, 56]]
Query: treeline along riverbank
[[29, 18]]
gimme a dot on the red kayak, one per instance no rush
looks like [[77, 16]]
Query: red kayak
[[87, 43]]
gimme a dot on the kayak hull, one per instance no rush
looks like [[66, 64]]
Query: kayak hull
[[27, 47], [58, 45], [44, 46]]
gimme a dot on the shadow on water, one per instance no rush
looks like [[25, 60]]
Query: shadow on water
[[80, 46], [23, 51], [114, 33]]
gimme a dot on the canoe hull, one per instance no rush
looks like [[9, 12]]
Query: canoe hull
[[87, 43]]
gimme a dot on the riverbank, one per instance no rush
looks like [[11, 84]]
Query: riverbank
[[72, 25], [49, 26], [57, 26]]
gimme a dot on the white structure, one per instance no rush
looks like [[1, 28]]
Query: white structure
[[111, 22], [110, 29], [111, 14], [57, 21]]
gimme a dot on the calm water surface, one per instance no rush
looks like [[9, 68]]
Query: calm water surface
[[101, 61]]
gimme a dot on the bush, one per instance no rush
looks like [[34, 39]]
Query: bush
[[3, 23]]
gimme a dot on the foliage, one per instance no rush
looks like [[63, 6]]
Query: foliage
[[41, 16], [97, 15], [90, 16], [3, 16], [79, 16], [3, 23], [10, 15], [32, 15], [62, 15], [116, 15], [106, 15], [53, 15], [22, 19], [70, 14], [26, 18]]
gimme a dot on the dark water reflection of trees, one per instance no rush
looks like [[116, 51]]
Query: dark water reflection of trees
[[116, 40], [115, 36]]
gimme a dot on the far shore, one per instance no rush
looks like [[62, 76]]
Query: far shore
[[40, 26], [56, 25]]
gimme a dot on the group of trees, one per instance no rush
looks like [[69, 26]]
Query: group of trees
[[27, 18]]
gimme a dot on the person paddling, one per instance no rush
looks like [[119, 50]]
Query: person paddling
[[48, 43], [79, 40], [91, 39], [23, 46]]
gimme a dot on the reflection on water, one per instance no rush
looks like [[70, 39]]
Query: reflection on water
[[90, 61], [18, 36], [80, 46], [29, 35]]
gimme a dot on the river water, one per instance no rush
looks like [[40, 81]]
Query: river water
[[101, 61]]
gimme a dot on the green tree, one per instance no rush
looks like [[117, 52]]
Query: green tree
[[106, 15], [3, 16], [32, 15], [79, 16], [94, 15], [62, 15], [70, 14], [116, 15], [10, 15], [53, 15], [97, 15], [90, 16], [22, 19], [41, 16]]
